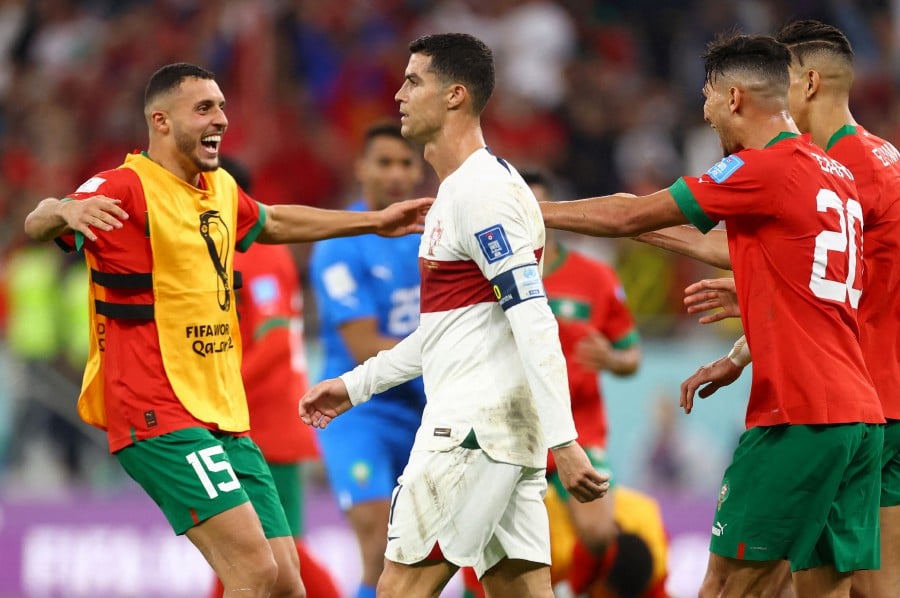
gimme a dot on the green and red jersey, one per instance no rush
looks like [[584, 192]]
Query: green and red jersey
[[270, 306], [875, 164], [795, 239], [586, 297], [139, 399]]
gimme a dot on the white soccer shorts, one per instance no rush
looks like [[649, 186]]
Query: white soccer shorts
[[476, 509]]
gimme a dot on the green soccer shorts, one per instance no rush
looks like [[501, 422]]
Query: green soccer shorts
[[195, 473], [890, 465], [808, 494]]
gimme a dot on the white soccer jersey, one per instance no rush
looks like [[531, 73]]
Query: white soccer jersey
[[498, 372]]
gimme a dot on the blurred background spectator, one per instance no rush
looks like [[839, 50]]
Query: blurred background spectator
[[604, 94]]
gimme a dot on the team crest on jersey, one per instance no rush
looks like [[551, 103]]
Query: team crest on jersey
[[724, 168], [434, 238], [494, 243]]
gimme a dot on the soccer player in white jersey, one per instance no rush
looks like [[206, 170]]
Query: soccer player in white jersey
[[487, 347]]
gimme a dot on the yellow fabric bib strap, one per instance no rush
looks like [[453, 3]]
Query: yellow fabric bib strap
[[192, 238]]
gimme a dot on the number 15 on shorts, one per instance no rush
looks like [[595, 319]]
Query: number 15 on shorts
[[204, 464]]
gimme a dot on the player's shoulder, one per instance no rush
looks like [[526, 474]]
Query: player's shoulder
[[116, 183]]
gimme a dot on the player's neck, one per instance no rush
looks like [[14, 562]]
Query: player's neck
[[452, 146], [173, 165], [827, 118]]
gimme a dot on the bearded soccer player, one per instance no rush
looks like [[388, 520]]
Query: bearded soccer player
[[163, 378], [813, 415], [819, 100]]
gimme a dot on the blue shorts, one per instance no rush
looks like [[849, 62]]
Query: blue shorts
[[365, 450]]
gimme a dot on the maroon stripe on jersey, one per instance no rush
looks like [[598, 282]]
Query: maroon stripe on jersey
[[450, 285]]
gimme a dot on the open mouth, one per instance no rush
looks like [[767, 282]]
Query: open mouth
[[211, 143]]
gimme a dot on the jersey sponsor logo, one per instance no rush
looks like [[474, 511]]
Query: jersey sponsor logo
[[724, 168], [494, 243], [719, 529], [338, 280], [442, 432], [91, 185]]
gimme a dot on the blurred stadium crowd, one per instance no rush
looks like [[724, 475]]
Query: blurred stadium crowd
[[604, 94]]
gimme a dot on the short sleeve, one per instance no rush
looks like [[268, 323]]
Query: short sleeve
[[120, 183], [251, 217], [749, 183]]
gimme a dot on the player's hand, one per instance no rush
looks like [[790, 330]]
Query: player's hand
[[100, 212], [324, 402], [594, 351], [709, 294], [404, 217], [715, 375], [578, 475]]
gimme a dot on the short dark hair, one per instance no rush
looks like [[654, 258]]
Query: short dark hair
[[170, 76], [460, 58], [384, 129], [761, 55], [808, 36]]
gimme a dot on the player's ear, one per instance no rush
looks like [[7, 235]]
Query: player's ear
[[456, 95], [735, 99], [813, 80], [159, 120]]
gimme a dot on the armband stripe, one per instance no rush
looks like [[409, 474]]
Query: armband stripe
[[518, 285]]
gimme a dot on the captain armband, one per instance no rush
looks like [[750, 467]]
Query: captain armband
[[740, 353], [518, 285]]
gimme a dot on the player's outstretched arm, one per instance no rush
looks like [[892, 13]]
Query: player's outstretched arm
[[709, 294], [577, 473], [617, 215], [53, 217], [324, 402], [596, 353], [300, 224], [715, 375], [710, 248]]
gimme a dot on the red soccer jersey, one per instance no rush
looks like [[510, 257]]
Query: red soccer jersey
[[586, 296], [875, 165], [794, 235], [270, 306], [135, 381]]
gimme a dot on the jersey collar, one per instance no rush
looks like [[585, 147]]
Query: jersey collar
[[782, 135]]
